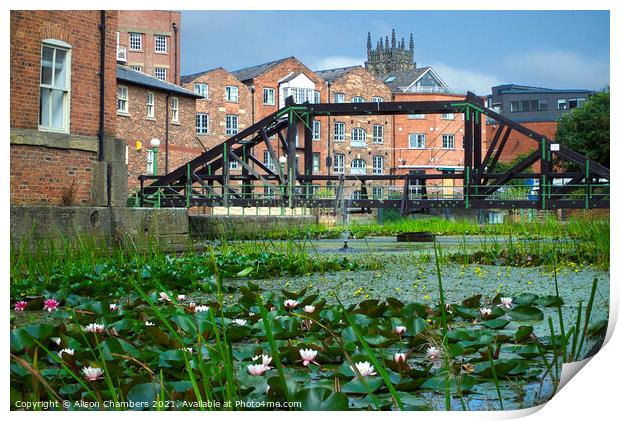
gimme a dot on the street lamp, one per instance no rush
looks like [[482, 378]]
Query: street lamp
[[155, 145]]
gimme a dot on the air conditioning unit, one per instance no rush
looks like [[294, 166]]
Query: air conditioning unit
[[121, 53]]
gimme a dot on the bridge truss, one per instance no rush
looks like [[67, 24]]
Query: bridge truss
[[562, 179]]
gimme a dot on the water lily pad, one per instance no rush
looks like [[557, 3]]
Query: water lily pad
[[321, 399], [356, 386], [525, 298], [526, 312], [143, 395], [523, 332], [496, 323], [472, 301], [438, 383]]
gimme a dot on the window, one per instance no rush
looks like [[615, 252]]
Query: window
[[417, 140], [572, 103], [54, 102], [562, 105], [268, 161], [358, 166], [317, 97], [377, 193], [232, 94], [447, 141], [447, 116], [135, 41], [529, 105], [232, 124], [150, 159], [301, 95], [316, 130], [175, 109], [135, 67], [358, 137], [269, 192], [357, 99], [161, 73], [233, 165], [161, 44], [377, 164], [338, 98], [389, 79], [201, 89], [316, 163], [269, 96], [416, 116], [580, 102], [202, 123], [339, 163], [377, 99], [339, 130], [150, 105], [377, 133], [122, 99]]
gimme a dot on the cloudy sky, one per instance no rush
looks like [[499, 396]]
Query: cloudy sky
[[471, 50]]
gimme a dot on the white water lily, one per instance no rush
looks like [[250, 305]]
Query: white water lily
[[198, 309], [433, 353], [94, 328], [113, 307], [192, 306], [147, 323], [68, 351], [365, 369], [163, 296], [399, 330], [92, 373], [400, 357], [506, 302], [239, 322], [485, 311], [56, 340], [308, 356], [266, 359], [257, 369], [309, 309], [181, 297], [290, 304]]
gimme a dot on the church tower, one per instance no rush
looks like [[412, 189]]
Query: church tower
[[389, 57]]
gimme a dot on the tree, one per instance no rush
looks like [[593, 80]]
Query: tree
[[586, 129]]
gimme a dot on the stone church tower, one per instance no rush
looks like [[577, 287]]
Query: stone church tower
[[390, 57]]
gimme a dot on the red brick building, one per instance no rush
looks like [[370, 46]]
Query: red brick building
[[149, 41], [149, 108], [62, 150]]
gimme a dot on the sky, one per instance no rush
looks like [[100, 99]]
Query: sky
[[470, 50]]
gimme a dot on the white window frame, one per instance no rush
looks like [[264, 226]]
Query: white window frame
[[150, 105], [202, 89], [201, 127], [161, 69], [358, 137], [448, 116], [378, 162], [174, 106], [339, 98], [358, 166], [377, 99], [317, 97], [269, 96], [377, 193], [339, 163], [229, 96], [563, 101], [150, 159], [316, 163], [446, 138], [136, 67], [232, 129], [340, 130], [159, 38], [233, 165], [66, 101], [267, 161], [138, 42], [357, 100], [377, 133], [122, 99], [416, 116], [418, 136], [316, 130]]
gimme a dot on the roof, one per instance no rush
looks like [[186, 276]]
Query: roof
[[125, 74], [398, 81], [524, 89], [189, 78], [251, 72], [290, 77], [330, 75]]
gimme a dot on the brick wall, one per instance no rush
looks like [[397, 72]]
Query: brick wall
[[39, 174], [136, 129], [150, 23], [518, 143]]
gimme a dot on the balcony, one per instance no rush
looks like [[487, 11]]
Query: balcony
[[121, 53]]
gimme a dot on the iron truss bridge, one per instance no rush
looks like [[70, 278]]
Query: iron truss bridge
[[561, 177]]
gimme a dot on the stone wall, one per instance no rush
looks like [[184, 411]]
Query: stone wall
[[214, 227]]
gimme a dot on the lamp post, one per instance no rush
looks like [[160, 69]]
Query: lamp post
[[155, 146], [282, 160]]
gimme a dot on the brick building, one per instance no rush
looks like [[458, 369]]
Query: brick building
[[63, 117], [149, 41], [149, 108]]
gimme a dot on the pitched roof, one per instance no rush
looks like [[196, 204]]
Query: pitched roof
[[251, 72], [398, 81], [125, 74], [189, 78], [330, 75]]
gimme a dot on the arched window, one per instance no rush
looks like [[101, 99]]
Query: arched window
[[358, 137], [358, 166], [358, 99]]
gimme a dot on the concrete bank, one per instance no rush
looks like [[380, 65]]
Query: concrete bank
[[211, 227]]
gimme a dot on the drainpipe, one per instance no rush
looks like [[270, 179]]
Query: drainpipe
[[252, 89], [393, 140], [176, 48], [328, 161], [167, 128], [102, 29]]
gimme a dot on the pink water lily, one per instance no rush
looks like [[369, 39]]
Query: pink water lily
[[290, 304], [92, 373], [400, 357], [506, 302], [163, 296], [94, 328], [50, 305], [308, 356], [181, 297], [309, 309], [433, 353], [266, 359], [20, 305], [257, 369], [400, 330]]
